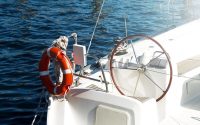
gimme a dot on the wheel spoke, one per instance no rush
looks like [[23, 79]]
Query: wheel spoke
[[154, 58], [136, 84], [123, 63], [131, 66], [153, 82], [128, 68], [134, 52]]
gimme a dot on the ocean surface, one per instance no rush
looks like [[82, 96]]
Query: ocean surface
[[27, 27]]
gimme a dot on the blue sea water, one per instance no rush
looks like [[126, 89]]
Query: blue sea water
[[27, 27]]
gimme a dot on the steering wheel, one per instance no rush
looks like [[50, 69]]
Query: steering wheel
[[140, 67]]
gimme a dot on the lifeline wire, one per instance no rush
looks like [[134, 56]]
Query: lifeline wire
[[182, 76], [95, 26], [37, 110]]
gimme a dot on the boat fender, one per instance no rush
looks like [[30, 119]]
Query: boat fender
[[66, 66]]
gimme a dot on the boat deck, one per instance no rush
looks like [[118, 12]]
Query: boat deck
[[187, 115]]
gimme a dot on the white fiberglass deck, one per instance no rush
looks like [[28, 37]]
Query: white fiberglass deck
[[184, 115]]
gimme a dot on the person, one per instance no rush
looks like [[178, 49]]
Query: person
[[62, 43]]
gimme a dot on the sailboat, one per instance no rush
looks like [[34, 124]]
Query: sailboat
[[142, 81]]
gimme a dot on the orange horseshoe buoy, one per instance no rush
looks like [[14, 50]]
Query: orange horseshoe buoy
[[65, 64]]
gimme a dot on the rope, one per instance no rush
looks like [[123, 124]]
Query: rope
[[46, 105], [37, 109], [95, 26]]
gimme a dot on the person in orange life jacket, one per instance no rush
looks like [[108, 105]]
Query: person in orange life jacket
[[62, 43]]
